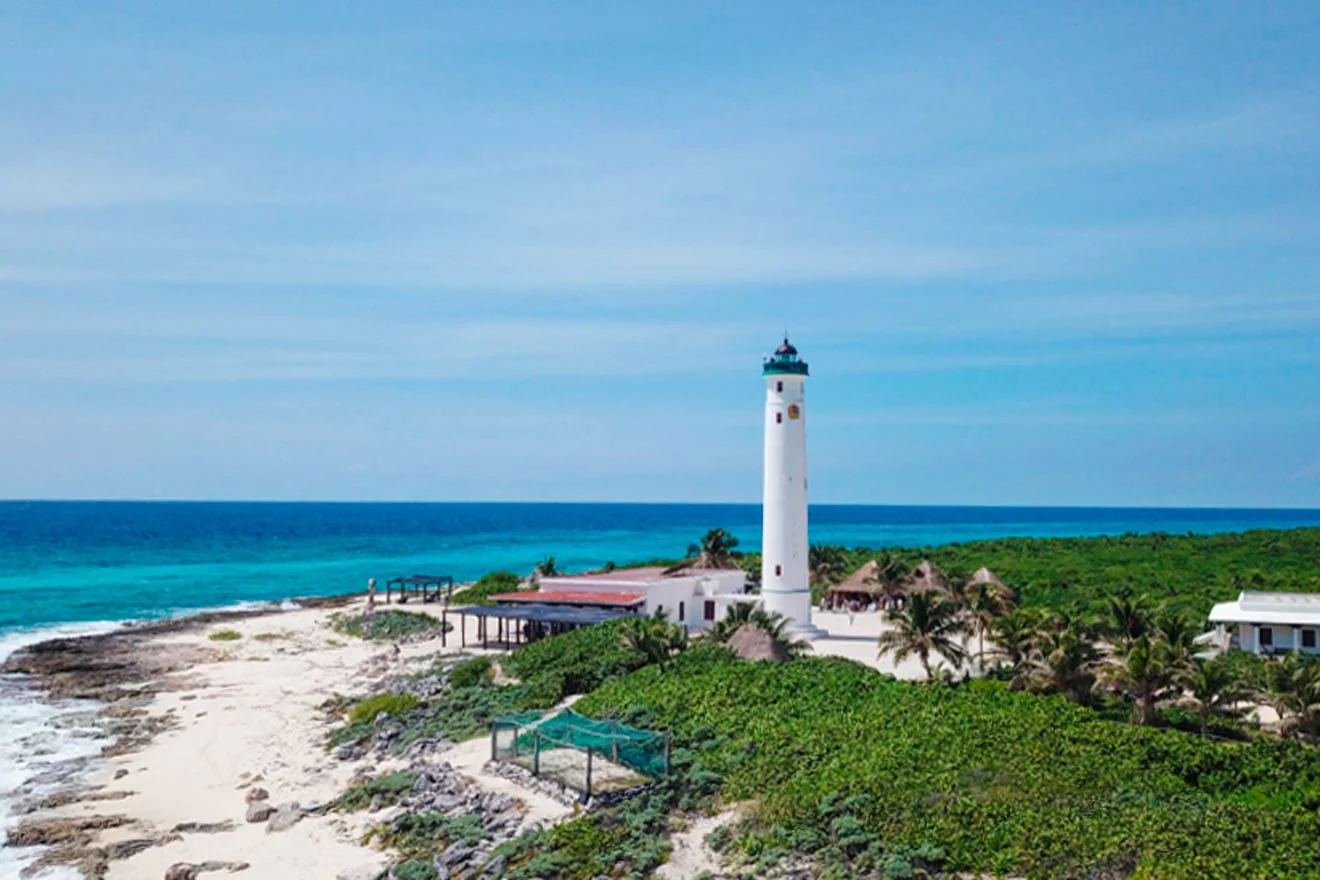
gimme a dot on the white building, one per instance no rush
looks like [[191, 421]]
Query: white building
[[695, 598], [785, 572], [1266, 623]]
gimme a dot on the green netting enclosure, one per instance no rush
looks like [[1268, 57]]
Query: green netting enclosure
[[590, 756]]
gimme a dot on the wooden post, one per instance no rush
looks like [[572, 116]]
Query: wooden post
[[462, 615], [586, 795], [494, 728], [536, 753], [443, 627], [614, 750]]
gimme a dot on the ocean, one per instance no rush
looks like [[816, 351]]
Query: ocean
[[82, 567], [100, 562]]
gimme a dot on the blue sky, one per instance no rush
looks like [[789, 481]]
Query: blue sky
[[1059, 253]]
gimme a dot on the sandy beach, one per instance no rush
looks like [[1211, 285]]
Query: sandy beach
[[234, 716], [202, 722]]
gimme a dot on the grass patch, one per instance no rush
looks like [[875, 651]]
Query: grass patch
[[385, 626], [365, 712], [271, 637], [998, 782], [471, 673], [225, 635]]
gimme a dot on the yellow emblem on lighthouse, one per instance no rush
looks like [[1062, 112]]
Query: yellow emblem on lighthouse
[[794, 411]]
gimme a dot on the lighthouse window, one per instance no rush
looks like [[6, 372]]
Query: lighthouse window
[[709, 610], [779, 418], [779, 386], [779, 569]]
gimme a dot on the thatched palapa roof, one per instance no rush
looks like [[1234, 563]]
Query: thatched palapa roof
[[864, 580], [751, 642], [926, 578], [986, 576]]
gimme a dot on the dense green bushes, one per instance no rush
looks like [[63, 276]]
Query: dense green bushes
[[489, 585], [576, 662], [1191, 572], [999, 781], [384, 626], [365, 711]]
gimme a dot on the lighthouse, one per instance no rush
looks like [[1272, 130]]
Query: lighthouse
[[785, 583]]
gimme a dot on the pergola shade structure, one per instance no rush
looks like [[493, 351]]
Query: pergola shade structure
[[526, 621], [429, 587]]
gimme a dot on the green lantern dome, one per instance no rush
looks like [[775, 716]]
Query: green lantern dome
[[784, 362]]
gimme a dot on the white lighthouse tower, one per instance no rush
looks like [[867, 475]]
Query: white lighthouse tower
[[785, 584]]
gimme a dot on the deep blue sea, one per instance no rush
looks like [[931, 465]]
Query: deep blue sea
[[67, 562]]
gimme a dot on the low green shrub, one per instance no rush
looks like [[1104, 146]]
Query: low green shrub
[[225, 635], [470, 673], [388, 789], [1001, 782], [386, 625], [489, 585], [365, 712]]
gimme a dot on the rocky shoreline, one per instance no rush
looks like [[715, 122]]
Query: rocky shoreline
[[122, 672]]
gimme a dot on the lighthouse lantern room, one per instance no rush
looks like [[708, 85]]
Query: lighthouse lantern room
[[785, 583]]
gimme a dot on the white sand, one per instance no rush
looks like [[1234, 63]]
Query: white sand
[[857, 641], [254, 715]]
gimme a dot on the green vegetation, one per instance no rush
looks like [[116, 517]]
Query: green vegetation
[[576, 662], [1190, 572], [386, 790], [998, 781], [365, 711], [386, 626], [470, 673], [225, 635], [419, 838], [491, 584]]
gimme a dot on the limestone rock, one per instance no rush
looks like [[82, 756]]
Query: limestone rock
[[183, 871], [257, 794], [259, 811], [285, 817]]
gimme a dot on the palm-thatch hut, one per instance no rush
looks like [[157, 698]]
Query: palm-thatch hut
[[926, 578], [863, 586], [750, 642], [984, 575]]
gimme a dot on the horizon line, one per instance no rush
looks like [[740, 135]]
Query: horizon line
[[892, 505]]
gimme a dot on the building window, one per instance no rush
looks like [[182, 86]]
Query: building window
[[1266, 637], [1308, 638], [779, 569], [681, 616], [710, 610], [779, 418], [780, 387]]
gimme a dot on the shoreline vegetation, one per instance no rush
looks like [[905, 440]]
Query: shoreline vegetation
[[1091, 742]]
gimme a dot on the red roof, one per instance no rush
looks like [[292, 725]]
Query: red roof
[[573, 597]]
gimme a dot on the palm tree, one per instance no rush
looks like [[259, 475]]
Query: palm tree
[[546, 567], [927, 624], [986, 603], [1015, 637], [734, 617], [1179, 633], [1127, 619], [714, 551], [826, 562], [1212, 688], [1143, 667], [1292, 687], [1063, 662], [654, 638]]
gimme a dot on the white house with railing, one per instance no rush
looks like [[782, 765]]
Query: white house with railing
[[1269, 623]]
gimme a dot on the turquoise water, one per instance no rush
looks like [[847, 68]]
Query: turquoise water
[[67, 562]]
